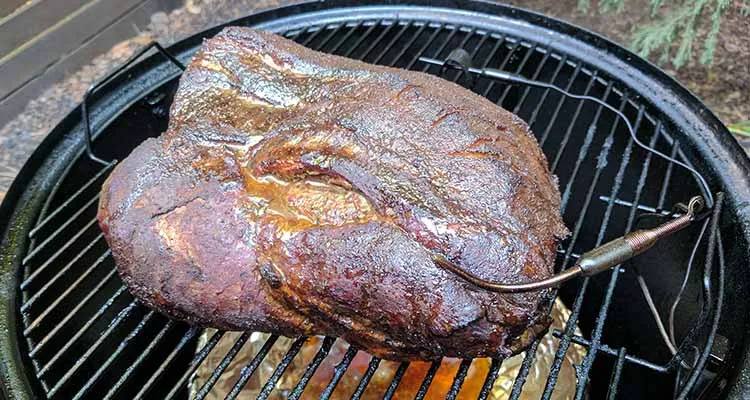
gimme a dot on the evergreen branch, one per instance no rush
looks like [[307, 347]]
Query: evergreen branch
[[655, 5], [708, 51], [660, 34], [685, 50], [678, 27], [606, 6]]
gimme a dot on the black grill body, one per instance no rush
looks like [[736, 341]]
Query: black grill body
[[72, 331]]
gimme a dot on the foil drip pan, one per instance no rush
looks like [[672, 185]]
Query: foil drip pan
[[410, 383]]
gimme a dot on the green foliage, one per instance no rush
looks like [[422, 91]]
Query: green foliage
[[741, 128], [655, 5], [713, 34], [606, 6], [679, 26]]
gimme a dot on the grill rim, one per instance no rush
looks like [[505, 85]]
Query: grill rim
[[714, 149]]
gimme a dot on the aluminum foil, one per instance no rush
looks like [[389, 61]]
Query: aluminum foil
[[533, 388]]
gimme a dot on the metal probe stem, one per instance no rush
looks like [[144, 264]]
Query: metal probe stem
[[555, 280], [592, 262]]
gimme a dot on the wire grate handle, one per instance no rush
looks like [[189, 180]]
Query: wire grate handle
[[96, 86]]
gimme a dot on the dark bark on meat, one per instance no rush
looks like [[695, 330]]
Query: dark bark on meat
[[301, 193]]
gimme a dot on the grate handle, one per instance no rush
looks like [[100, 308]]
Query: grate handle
[[93, 88]]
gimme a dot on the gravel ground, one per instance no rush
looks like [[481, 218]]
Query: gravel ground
[[724, 87]]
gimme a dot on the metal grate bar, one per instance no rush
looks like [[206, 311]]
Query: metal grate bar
[[70, 314], [519, 68], [83, 328], [502, 66], [645, 168], [523, 372], [424, 47], [466, 39], [296, 34], [573, 319], [281, 367], [328, 38], [377, 40], [57, 231], [70, 200], [493, 52], [47, 311], [54, 256], [570, 326], [584, 150], [614, 382], [248, 369], [593, 349], [116, 353], [325, 347], [461, 45], [667, 175], [604, 308], [197, 360], [115, 323], [427, 380], [489, 381], [563, 61], [331, 34], [159, 336], [574, 256], [397, 377], [568, 132], [474, 53], [458, 380], [312, 36], [410, 43], [362, 386], [531, 352], [393, 41], [64, 270], [608, 350], [559, 105], [624, 161], [338, 372], [362, 38], [534, 76], [640, 207], [347, 35], [223, 365], [442, 46], [658, 132], [714, 247], [164, 364]]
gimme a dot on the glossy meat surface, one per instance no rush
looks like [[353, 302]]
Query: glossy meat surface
[[301, 193]]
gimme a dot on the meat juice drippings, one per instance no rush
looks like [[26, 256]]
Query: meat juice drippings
[[412, 380], [307, 203]]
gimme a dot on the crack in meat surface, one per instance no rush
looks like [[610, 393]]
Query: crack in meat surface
[[302, 193]]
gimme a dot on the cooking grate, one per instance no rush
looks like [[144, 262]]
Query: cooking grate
[[84, 336]]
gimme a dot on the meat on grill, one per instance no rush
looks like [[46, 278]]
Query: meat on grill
[[301, 193]]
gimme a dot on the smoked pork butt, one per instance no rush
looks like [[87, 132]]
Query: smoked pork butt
[[301, 193]]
